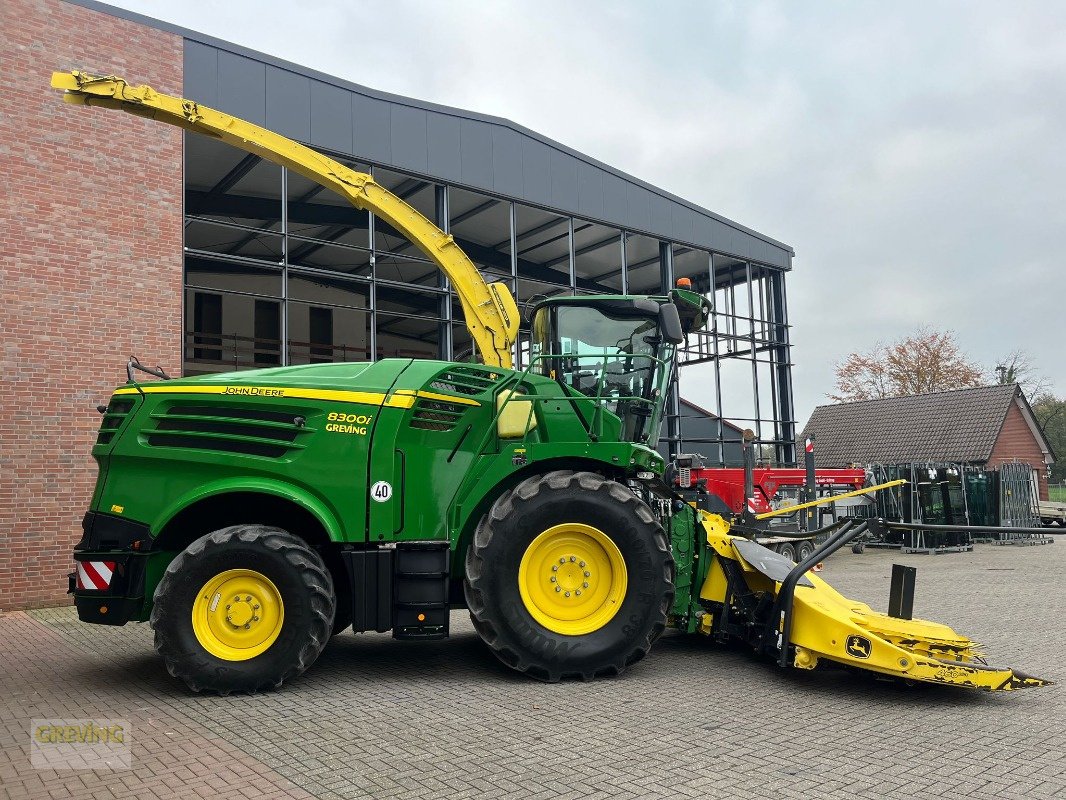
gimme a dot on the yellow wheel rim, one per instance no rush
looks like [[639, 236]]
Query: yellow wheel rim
[[572, 579], [238, 614]]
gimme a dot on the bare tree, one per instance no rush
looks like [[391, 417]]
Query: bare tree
[[926, 361], [1017, 367]]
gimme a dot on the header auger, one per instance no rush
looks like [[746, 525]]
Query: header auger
[[251, 515]]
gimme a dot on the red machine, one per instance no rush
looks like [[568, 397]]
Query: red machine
[[727, 483], [750, 491]]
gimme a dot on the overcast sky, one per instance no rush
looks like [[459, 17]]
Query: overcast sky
[[911, 153]]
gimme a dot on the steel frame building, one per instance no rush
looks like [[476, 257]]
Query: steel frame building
[[278, 271]]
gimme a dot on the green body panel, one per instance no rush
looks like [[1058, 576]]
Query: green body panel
[[151, 481], [443, 475]]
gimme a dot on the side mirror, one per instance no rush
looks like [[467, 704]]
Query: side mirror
[[670, 324]]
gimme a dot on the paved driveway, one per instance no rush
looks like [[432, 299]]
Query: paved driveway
[[379, 718]]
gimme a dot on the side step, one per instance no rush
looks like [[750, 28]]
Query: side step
[[420, 590], [403, 589]]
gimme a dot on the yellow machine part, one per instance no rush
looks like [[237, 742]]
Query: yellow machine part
[[828, 626], [516, 417], [489, 308]]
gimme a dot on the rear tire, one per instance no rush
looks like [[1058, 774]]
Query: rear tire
[[806, 550], [788, 550], [204, 646], [510, 567]]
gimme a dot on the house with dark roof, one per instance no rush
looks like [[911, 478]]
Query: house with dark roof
[[717, 440], [985, 426]]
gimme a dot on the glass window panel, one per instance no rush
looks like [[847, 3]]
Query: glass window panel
[[533, 291], [233, 239], [388, 240], [266, 346], [693, 264], [481, 226], [207, 326], [543, 245], [598, 257], [206, 161], [643, 264], [227, 184], [319, 333], [727, 270], [316, 212], [408, 337], [321, 254], [405, 270], [233, 341], [417, 192], [401, 300], [328, 290], [211, 273]]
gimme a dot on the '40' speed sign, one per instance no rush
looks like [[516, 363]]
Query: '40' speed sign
[[381, 491]]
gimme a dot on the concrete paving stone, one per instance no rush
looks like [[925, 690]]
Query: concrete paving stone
[[380, 718]]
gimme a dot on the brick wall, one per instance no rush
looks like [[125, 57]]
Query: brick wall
[[1017, 443], [90, 269]]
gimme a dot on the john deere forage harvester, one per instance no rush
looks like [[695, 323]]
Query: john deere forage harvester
[[249, 516]]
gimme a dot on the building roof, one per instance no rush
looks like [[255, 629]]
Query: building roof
[[452, 145], [958, 426], [700, 411]]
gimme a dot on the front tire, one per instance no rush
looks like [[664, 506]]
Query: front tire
[[569, 575], [244, 608]]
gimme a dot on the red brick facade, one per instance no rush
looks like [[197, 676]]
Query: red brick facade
[[1017, 443], [90, 269]]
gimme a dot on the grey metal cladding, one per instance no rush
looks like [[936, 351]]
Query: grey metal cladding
[[705, 229], [683, 222], [288, 103], [461, 147], [242, 87], [372, 122], [331, 117], [475, 153], [638, 202], [506, 161], [589, 190], [536, 175], [661, 214], [564, 191], [443, 146], [615, 203], [410, 148], [200, 64]]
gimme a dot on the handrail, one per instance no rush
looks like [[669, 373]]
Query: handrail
[[520, 377], [781, 615], [489, 309]]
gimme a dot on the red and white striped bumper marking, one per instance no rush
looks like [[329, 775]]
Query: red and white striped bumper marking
[[95, 575]]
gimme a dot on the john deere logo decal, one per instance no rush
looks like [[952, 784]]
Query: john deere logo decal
[[858, 646]]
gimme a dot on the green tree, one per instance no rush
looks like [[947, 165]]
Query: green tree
[[1050, 413]]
